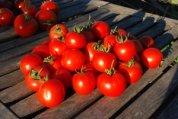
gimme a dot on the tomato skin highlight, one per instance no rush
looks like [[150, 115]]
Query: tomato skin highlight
[[29, 61], [51, 93], [30, 10], [132, 73], [83, 83], [152, 57], [50, 5], [6, 17], [111, 85]]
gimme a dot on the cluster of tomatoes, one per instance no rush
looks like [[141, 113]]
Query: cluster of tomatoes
[[90, 56], [26, 18]]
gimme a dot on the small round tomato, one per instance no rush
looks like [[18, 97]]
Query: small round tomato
[[89, 68], [89, 36], [29, 61], [152, 57], [110, 41], [50, 5], [41, 50], [125, 51], [51, 93], [100, 29], [147, 41], [111, 85], [30, 10], [46, 19], [122, 32], [45, 42], [57, 47], [6, 17], [73, 59], [55, 62], [132, 71], [21, 3], [37, 77], [58, 31], [102, 61], [83, 83], [75, 40], [25, 25], [138, 46], [64, 76]]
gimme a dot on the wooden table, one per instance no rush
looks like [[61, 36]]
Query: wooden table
[[155, 95]]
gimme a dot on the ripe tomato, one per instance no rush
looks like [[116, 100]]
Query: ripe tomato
[[89, 68], [51, 93], [125, 51], [45, 42], [138, 46], [50, 5], [73, 59], [64, 76], [55, 62], [57, 47], [147, 41], [83, 83], [29, 61], [102, 61], [46, 19], [58, 31], [110, 41], [29, 9], [37, 77], [6, 17], [75, 40], [21, 3], [152, 57], [25, 25], [91, 50], [100, 29], [111, 85], [122, 32], [41, 50], [132, 71], [89, 36]]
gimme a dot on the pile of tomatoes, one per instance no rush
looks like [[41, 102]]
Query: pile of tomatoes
[[26, 18], [91, 56]]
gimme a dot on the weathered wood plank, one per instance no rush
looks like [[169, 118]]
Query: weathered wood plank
[[106, 106], [170, 112], [10, 79], [8, 34], [150, 101], [15, 92], [6, 113]]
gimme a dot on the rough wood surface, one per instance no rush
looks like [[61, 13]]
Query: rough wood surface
[[149, 102], [6, 113]]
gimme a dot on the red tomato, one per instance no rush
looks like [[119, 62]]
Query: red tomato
[[50, 5], [75, 40], [51, 93], [132, 37], [46, 19], [73, 59], [36, 77], [122, 32], [64, 76], [89, 68], [100, 29], [21, 3], [91, 50], [25, 25], [58, 31], [125, 51], [152, 57], [132, 73], [138, 46], [55, 62], [147, 41], [30, 10], [83, 83], [110, 41], [57, 47], [45, 42], [102, 61], [111, 85], [89, 36], [41, 50], [6, 17], [29, 61]]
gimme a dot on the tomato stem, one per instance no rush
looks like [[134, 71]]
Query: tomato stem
[[110, 71], [130, 63], [0, 11], [48, 59]]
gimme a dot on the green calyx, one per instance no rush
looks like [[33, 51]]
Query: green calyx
[[89, 24], [48, 59], [81, 71], [48, 23], [35, 75], [121, 39], [97, 45], [105, 49], [1, 11], [113, 31], [130, 63], [27, 17], [110, 71], [78, 29]]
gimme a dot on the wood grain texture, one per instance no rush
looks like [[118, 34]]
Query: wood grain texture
[[6, 113], [10, 79], [150, 101], [15, 92], [106, 106], [69, 107]]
